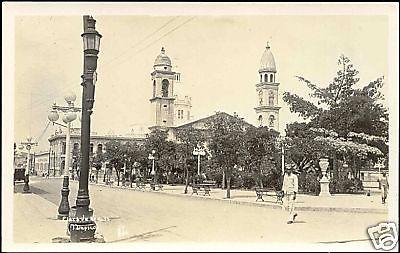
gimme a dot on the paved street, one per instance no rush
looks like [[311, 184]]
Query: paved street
[[153, 217]]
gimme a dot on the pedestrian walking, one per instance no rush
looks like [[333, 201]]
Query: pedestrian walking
[[384, 186], [290, 188]]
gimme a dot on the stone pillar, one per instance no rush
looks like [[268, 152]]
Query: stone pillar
[[324, 181]]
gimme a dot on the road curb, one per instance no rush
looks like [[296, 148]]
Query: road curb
[[260, 204]]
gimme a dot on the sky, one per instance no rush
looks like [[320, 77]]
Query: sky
[[218, 57]]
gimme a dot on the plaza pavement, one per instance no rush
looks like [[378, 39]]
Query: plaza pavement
[[171, 216]]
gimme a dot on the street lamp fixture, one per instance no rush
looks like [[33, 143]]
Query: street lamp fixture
[[82, 227], [28, 145], [69, 112], [199, 151], [153, 172]]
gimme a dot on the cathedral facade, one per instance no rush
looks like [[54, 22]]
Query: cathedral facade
[[169, 110]]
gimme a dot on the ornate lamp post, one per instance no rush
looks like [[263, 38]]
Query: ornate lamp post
[[69, 116], [284, 144], [283, 154], [28, 145], [153, 172], [133, 171], [199, 151], [82, 227]]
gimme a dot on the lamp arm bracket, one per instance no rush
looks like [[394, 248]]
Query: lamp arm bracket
[[66, 108], [59, 124]]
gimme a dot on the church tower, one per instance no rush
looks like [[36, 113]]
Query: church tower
[[162, 99], [267, 109]]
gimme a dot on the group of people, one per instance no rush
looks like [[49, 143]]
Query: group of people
[[290, 189]]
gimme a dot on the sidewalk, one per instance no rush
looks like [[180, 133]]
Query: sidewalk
[[353, 203], [35, 220]]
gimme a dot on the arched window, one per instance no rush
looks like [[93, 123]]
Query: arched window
[[165, 85], [265, 78], [260, 78], [260, 96], [99, 148], [154, 88], [260, 120], [271, 120], [271, 99], [91, 149], [271, 78]]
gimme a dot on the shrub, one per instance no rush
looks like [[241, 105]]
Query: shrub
[[345, 185], [309, 182]]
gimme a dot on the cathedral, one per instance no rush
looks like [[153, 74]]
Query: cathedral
[[170, 111]]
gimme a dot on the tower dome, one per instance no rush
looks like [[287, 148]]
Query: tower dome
[[162, 60], [267, 61]]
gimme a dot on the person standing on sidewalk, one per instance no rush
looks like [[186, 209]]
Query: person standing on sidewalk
[[384, 186], [290, 188]]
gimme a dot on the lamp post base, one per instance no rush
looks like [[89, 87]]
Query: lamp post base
[[81, 228], [26, 186], [63, 209]]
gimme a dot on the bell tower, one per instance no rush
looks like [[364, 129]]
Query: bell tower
[[267, 108], [162, 99]]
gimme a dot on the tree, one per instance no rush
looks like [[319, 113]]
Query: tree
[[188, 138], [134, 154], [227, 144], [262, 152], [340, 113], [96, 161], [115, 156], [164, 151], [341, 107]]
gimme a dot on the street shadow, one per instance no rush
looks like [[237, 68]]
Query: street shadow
[[243, 196], [144, 236], [19, 188]]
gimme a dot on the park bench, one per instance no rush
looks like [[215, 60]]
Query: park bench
[[140, 185], [110, 183], [205, 187], [260, 192], [156, 187], [211, 182], [354, 190]]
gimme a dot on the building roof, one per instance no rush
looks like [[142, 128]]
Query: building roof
[[162, 59], [207, 119], [267, 61], [97, 136]]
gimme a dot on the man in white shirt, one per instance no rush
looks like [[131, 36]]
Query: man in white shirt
[[290, 188], [384, 186]]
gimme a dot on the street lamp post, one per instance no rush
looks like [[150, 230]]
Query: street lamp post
[[82, 226], [54, 163], [199, 151], [133, 171], [48, 166], [153, 172], [28, 145], [69, 116]]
